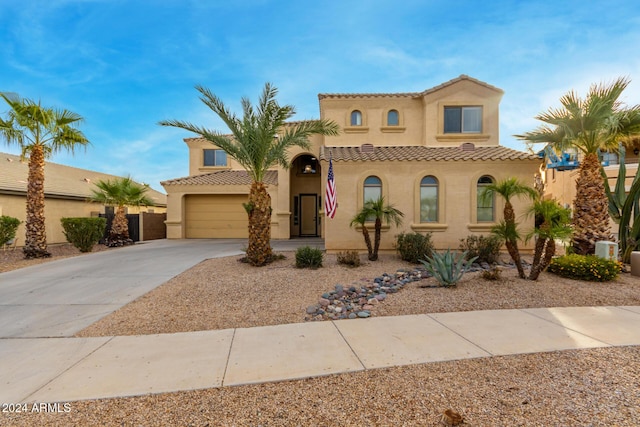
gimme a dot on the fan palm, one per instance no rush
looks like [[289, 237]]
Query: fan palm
[[507, 229], [39, 132], [379, 211], [259, 140], [119, 193], [597, 122], [554, 225]]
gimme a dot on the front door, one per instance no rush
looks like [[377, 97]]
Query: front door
[[308, 215]]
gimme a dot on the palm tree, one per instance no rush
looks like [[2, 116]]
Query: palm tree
[[379, 211], [258, 141], [120, 192], [39, 132], [554, 225], [507, 229], [597, 122]]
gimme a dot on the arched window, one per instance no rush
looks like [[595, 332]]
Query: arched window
[[485, 204], [393, 118], [372, 188], [356, 118], [429, 199]]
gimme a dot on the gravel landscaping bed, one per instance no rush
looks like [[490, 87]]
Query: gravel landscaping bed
[[595, 387]]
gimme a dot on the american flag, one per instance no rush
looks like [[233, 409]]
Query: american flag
[[330, 199]]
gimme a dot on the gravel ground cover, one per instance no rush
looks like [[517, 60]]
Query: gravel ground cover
[[595, 387]]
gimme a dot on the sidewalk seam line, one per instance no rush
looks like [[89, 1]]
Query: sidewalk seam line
[[226, 366], [68, 368], [349, 345], [429, 315]]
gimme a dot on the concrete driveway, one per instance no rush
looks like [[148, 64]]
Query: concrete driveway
[[60, 298]]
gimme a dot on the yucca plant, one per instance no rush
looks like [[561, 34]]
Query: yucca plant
[[447, 267]]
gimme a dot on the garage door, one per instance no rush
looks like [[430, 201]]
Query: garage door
[[216, 216]]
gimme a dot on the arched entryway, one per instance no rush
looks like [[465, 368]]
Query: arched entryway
[[305, 192]]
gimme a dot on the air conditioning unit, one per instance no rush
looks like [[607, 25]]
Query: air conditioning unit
[[607, 250]]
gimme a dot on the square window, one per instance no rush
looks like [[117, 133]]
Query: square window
[[215, 158], [462, 119]]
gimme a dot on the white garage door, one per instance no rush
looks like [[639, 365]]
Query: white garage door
[[216, 216]]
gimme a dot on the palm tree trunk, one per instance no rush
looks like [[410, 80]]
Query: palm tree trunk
[[539, 249], [512, 248], [36, 237], [367, 241], [259, 210], [376, 240], [119, 226], [590, 207], [549, 252]]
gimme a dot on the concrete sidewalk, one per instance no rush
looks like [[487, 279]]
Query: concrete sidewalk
[[67, 369]]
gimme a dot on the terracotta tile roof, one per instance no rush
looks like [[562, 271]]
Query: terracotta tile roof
[[409, 94], [421, 153], [225, 177], [60, 180]]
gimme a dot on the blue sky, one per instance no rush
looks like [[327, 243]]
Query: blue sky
[[126, 64]]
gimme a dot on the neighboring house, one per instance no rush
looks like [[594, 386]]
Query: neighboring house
[[560, 181], [427, 153], [66, 191]]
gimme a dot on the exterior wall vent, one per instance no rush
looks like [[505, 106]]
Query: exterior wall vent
[[467, 146], [366, 148]]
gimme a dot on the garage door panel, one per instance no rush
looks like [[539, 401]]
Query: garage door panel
[[216, 216]]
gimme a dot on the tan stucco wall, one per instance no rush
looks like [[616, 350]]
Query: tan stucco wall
[[401, 181], [54, 209]]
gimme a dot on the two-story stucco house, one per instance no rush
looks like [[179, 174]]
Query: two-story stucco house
[[428, 153]]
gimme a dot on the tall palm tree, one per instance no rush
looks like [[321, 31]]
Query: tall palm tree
[[120, 192], [380, 211], [39, 132], [597, 122], [507, 229], [259, 140]]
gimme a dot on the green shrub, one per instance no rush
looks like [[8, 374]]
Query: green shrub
[[447, 267], [585, 267], [414, 246], [484, 249], [308, 257], [349, 258], [8, 227], [83, 233]]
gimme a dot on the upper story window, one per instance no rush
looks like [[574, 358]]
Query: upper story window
[[356, 118], [393, 118], [429, 199], [215, 157], [462, 119], [372, 188], [485, 204]]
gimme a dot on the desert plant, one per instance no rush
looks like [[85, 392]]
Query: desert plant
[[597, 122], [554, 225], [414, 246], [8, 227], [624, 208], [447, 267], [379, 211], [83, 233], [585, 267], [484, 249], [258, 141], [349, 258], [308, 257], [507, 229], [39, 132], [494, 273]]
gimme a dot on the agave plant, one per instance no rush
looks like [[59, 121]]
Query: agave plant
[[447, 267]]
